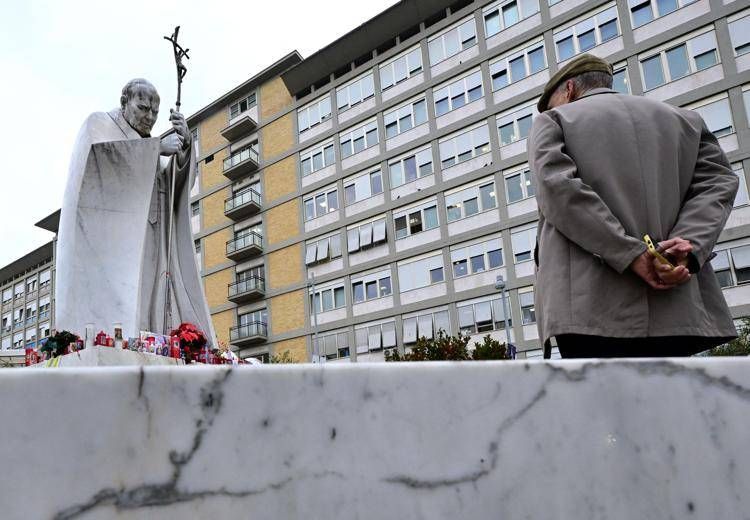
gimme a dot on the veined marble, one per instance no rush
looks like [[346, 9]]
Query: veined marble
[[502, 440]]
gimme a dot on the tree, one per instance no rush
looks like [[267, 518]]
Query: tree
[[450, 348], [736, 347], [283, 357]]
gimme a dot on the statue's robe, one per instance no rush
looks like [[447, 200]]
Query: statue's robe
[[111, 258]]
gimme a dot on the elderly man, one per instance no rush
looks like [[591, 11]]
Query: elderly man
[[609, 169], [114, 226]]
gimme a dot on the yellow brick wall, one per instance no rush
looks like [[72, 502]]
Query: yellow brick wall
[[273, 97], [296, 347], [208, 132], [282, 222], [212, 210], [280, 179], [215, 248], [216, 286], [212, 174], [287, 312], [285, 266], [277, 137], [222, 322]]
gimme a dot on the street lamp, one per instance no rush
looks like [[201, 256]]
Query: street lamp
[[500, 286]]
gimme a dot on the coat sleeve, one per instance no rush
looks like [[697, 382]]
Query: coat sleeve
[[709, 199], [571, 206]]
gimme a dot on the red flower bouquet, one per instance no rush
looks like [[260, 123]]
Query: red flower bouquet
[[192, 340]]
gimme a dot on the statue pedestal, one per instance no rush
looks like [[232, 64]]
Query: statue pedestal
[[107, 357], [618, 440]]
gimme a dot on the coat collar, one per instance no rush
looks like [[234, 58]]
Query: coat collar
[[596, 91]]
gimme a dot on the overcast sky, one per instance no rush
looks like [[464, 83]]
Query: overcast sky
[[62, 60]]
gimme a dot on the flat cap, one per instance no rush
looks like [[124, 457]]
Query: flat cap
[[576, 67]]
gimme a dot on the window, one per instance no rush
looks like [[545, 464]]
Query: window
[[44, 308], [18, 340], [316, 158], [742, 196], [717, 115], [464, 146], [644, 11], [501, 15], [8, 295], [332, 346], [371, 287], [519, 185], [44, 279], [732, 266], [449, 43], [323, 249], [483, 315], [515, 124], [243, 105], [517, 65], [680, 59], [243, 238], [739, 33], [620, 81], [358, 139], [354, 92], [523, 242], [253, 323], [458, 93], [375, 336], [195, 209], [328, 299], [401, 68], [410, 167], [420, 273], [426, 325], [30, 313], [363, 187], [18, 318], [321, 203], [526, 300], [471, 200], [586, 34], [30, 284], [477, 258], [406, 117], [18, 290], [365, 235], [416, 219], [313, 114], [7, 325]]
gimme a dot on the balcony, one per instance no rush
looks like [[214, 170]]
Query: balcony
[[242, 204], [241, 163], [248, 289], [248, 334], [242, 126], [245, 246]]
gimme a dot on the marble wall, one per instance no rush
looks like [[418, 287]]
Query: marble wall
[[580, 440]]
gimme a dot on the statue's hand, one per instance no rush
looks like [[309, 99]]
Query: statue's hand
[[171, 144], [180, 125]]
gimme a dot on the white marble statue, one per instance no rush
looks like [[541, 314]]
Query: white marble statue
[[114, 225]]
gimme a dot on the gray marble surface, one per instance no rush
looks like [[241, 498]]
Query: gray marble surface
[[571, 440], [97, 356]]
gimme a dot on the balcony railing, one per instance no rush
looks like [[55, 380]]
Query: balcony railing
[[253, 332], [246, 289], [30, 320], [242, 204], [241, 163], [243, 125], [245, 246], [43, 314]]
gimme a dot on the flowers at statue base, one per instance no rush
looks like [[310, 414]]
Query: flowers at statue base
[[192, 340]]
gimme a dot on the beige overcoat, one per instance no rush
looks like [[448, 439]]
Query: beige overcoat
[[610, 168]]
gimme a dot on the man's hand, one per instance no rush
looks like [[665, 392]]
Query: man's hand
[[180, 126], [171, 144], [676, 250], [659, 276]]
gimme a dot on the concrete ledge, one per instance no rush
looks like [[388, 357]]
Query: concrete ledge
[[567, 440]]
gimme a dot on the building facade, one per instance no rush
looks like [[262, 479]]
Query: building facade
[[373, 192]]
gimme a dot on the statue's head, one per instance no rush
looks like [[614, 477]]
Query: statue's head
[[139, 103]]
